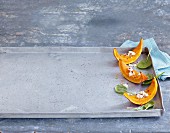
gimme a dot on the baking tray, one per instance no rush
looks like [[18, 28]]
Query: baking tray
[[66, 82]]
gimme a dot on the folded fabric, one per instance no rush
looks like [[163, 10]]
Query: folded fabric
[[160, 60]]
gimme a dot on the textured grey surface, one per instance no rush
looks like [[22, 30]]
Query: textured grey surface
[[66, 82], [86, 23]]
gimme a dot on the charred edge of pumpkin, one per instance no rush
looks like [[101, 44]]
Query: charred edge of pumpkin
[[138, 101]]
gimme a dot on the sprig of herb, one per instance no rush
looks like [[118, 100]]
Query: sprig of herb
[[157, 76], [147, 106], [146, 82], [150, 76]]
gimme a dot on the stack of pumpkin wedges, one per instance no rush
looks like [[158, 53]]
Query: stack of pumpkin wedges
[[137, 77]]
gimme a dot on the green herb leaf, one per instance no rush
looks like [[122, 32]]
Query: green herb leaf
[[139, 108], [150, 76], [146, 82], [145, 63], [120, 89], [149, 105], [157, 76], [146, 106]]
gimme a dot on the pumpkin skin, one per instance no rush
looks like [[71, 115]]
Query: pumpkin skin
[[151, 90], [126, 58], [137, 78]]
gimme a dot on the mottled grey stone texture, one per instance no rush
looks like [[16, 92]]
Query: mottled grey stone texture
[[86, 23]]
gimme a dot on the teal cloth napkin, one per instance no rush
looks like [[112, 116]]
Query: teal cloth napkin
[[160, 60]]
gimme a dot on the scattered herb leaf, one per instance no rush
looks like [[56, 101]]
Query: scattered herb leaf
[[145, 63], [146, 106], [146, 82], [120, 89], [150, 76], [149, 105]]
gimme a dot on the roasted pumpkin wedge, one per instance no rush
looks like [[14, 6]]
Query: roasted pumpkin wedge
[[131, 56], [130, 74], [140, 99]]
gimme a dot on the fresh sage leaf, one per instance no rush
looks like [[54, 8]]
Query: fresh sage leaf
[[146, 82], [139, 108], [120, 89], [149, 80], [145, 63], [150, 76], [146, 106], [149, 105]]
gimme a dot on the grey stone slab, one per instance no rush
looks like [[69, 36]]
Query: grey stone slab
[[65, 82]]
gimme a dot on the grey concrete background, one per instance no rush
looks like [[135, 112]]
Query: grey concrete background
[[86, 23]]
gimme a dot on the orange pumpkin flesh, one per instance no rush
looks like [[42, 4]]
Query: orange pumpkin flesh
[[151, 90], [138, 77], [127, 59]]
